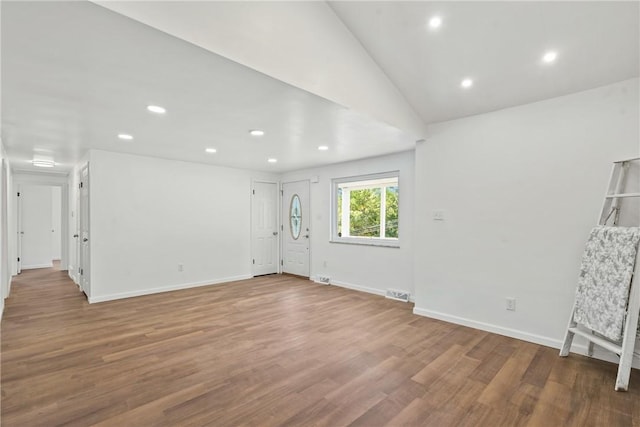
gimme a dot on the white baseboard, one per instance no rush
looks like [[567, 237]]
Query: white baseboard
[[521, 335], [73, 277], [360, 288], [34, 266], [71, 272], [1, 308], [137, 293], [354, 287]]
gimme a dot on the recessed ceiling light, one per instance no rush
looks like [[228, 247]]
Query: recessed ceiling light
[[435, 22], [323, 148], [43, 163], [466, 83], [256, 132], [550, 57], [211, 150], [272, 160], [156, 109], [125, 136]]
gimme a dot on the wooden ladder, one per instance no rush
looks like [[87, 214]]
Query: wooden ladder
[[609, 216]]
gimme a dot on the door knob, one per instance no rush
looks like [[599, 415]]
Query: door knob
[[306, 236], [275, 233], [85, 240], [75, 236]]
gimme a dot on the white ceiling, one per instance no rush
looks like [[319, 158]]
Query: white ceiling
[[500, 46], [302, 43], [74, 74]]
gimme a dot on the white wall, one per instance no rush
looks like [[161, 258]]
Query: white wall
[[521, 188], [5, 185], [56, 223], [148, 215], [4, 209], [36, 226], [369, 268]]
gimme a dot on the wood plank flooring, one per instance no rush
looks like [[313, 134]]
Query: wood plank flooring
[[279, 350]]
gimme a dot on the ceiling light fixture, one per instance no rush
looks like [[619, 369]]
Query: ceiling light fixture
[[466, 83], [125, 136], [211, 150], [156, 109], [323, 148], [272, 160], [435, 22], [43, 163], [550, 57], [256, 132]]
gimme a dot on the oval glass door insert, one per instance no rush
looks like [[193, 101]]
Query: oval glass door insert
[[295, 217]]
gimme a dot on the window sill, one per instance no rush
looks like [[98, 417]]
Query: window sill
[[367, 242]]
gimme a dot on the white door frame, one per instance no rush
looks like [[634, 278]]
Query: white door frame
[[282, 219], [19, 231], [50, 180], [278, 222]]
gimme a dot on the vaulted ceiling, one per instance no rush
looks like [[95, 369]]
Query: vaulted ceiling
[[500, 46], [361, 78]]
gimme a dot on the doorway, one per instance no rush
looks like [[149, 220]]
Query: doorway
[[39, 226], [264, 228], [296, 228]]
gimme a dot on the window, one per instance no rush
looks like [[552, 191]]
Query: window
[[365, 209]]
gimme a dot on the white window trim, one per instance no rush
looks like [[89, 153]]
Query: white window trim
[[370, 241]]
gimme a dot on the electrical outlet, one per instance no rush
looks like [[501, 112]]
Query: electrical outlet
[[511, 304], [180, 267]]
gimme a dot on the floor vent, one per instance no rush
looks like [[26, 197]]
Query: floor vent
[[397, 295]]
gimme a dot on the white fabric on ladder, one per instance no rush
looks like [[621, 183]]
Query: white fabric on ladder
[[605, 275]]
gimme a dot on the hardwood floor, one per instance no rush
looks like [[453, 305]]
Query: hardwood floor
[[279, 350]]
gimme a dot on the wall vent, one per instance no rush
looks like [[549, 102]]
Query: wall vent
[[324, 279], [398, 295]]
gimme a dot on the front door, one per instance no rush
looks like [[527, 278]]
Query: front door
[[264, 228], [296, 228]]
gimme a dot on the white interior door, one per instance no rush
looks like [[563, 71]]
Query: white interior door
[[19, 232], [295, 228], [264, 228], [56, 223], [83, 270], [36, 226]]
